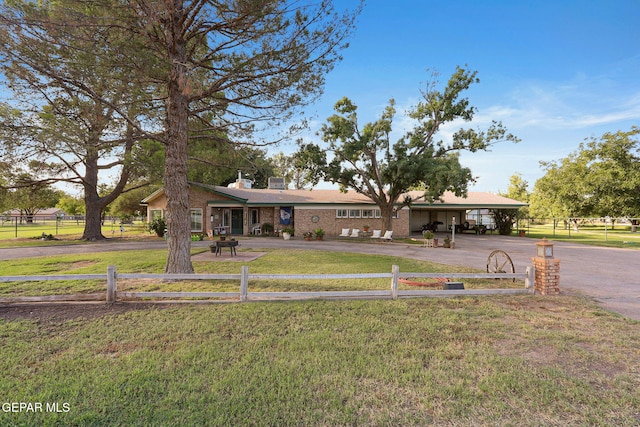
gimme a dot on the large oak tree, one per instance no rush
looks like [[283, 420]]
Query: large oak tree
[[601, 178], [364, 159]]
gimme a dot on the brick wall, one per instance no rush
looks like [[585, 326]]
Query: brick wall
[[302, 218], [547, 275], [332, 226]]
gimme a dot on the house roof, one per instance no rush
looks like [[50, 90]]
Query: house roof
[[152, 196], [40, 212], [255, 197], [267, 197], [473, 200]]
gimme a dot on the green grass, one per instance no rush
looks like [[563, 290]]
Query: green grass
[[525, 360], [620, 237], [501, 360], [65, 232], [276, 261]]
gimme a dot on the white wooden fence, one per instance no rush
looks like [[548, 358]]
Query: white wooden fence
[[243, 294]]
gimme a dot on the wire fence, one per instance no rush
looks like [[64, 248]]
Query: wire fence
[[45, 226], [603, 229]]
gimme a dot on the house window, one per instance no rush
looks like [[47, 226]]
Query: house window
[[196, 220], [376, 213], [354, 213], [367, 213], [255, 218], [155, 214], [342, 213]]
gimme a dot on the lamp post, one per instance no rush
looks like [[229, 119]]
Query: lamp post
[[547, 269], [544, 248]]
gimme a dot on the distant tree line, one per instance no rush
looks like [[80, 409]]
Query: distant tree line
[[600, 179]]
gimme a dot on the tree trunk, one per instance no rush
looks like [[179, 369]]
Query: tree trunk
[[92, 202], [176, 187], [93, 217], [28, 216], [386, 212]]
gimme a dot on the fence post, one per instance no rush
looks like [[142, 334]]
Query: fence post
[[395, 272], [244, 283], [111, 284], [528, 282]]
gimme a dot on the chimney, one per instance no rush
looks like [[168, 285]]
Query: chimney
[[239, 181]]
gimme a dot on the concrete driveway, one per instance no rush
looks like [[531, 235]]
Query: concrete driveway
[[611, 276]]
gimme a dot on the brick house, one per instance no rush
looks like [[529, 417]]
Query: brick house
[[241, 210]]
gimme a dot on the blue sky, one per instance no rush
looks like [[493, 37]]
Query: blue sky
[[554, 72]]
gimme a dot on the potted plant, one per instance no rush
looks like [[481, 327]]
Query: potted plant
[[319, 233], [428, 235], [365, 228], [308, 235], [287, 233], [447, 242]]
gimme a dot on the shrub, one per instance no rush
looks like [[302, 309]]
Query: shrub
[[158, 226]]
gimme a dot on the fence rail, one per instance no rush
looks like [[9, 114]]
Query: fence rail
[[243, 294]]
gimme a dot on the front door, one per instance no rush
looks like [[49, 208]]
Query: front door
[[236, 221]]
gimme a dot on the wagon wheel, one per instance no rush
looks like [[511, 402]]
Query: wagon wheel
[[500, 262]]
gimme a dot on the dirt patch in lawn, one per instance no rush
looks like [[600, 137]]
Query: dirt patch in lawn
[[62, 312], [82, 264]]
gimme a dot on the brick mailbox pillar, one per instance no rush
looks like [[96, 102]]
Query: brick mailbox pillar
[[547, 269]]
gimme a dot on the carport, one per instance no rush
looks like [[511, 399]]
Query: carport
[[451, 208]]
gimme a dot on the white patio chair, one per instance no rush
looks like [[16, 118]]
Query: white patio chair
[[355, 232], [376, 234], [256, 230], [345, 232], [388, 236]]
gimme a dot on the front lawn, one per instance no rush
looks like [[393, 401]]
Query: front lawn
[[499, 360], [517, 360]]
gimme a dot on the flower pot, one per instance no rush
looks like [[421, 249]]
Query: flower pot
[[435, 243], [286, 236]]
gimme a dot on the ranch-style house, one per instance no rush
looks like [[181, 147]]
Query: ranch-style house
[[242, 210]]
